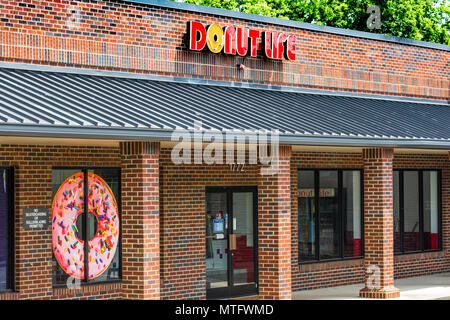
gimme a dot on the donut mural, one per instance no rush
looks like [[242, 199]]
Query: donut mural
[[68, 205]]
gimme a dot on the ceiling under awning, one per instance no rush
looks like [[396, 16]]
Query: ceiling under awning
[[58, 104]]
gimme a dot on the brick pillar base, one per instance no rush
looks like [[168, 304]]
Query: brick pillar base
[[384, 293], [274, 231], [378, 225], [140, 220]]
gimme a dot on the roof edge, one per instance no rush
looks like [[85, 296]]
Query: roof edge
[[201, 81], [127, 134], [290, 23]]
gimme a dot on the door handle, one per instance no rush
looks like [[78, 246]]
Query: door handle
[[232, 241]]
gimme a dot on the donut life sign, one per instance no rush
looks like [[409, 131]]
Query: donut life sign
[[239, 41]]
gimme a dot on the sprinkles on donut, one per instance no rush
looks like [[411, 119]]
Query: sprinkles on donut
[[68, 206]]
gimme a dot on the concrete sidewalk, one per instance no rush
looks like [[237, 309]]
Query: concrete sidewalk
[[431, 287]]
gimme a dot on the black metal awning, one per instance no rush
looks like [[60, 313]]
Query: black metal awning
[[59, 104]]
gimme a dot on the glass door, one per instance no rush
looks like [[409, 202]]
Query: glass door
[[231, 242], [242, 243], [217, 243]]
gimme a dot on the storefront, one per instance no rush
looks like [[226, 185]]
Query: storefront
[[196, 153]]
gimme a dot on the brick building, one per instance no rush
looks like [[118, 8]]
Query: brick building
[[97, 91]]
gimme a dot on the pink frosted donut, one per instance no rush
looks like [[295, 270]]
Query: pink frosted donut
[[67, 206]]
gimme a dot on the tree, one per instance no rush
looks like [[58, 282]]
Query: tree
[[427, 20]]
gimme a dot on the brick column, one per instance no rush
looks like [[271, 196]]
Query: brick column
[[140, 220], [274, 231], [378, 224]]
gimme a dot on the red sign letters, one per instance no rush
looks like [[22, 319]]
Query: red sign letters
[[240, 41]]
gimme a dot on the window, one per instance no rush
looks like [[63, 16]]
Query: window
[[329, 214], [72, 225], [6, 229], [417, 212]]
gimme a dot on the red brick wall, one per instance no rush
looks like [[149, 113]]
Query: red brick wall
[[183, 263], [140, 220], [323, 274], [328, 274], [182, 192], [111, 291], [33, 189], [274, 231], [144, 38], [379, 222], [426, 263], [108, 291]]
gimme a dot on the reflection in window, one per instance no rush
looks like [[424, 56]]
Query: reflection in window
[[329, 215], [216, 247], [411, 211], [112, 177], [351, 195], [58, 177], [306, 216], [337, 222], [430, 210], [416, 210]]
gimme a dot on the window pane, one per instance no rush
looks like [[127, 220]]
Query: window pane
[[411, 236], [64, 215], [216, 240], [106, 245], [430, 210], [351, 196], [4, 229], [397, 235], [243, 259], [329, 217], [306, 216], [68, 226]]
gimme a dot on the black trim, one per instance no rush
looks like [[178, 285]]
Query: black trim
[[361, 186], [85, 224], [401, 208], [11, 227], [341, 222], [440, 209], [340, 211], [11, 208]]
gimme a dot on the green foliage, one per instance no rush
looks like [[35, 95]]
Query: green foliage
[[427, 20]]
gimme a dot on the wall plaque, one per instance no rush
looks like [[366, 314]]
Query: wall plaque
[[35, 218]]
